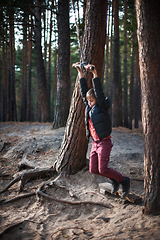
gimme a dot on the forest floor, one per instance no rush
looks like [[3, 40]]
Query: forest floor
[[47, 219]]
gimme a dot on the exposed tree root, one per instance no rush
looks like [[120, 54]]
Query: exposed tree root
[[39, 192], [18, 197], [13, 226], [73, 203], [27, 176]]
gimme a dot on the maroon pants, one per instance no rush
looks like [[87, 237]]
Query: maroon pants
[[99, 159]]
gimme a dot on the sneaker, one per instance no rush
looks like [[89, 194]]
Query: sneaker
[[115, 186], [125, 186]]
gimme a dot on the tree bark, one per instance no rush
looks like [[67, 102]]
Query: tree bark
[[117, 89], [24, 73], [148, 19], [63, 68], [72, 155], [29, 95], [131, 99], [4, 93], [137, 94], [49, 68], [125, 104], [43, 108], [11, 99]]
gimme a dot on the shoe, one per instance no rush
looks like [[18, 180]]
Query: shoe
[[125, 186], [115, 186]]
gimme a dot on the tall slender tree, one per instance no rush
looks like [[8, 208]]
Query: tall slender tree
[[125, 98], [11, 99], [148, 19], [131, 95], [43, 109], [72, 155], [24, 71], [29, 89], [117, 88], [63, 68]]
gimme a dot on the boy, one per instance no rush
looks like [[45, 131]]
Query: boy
[[99, 127]]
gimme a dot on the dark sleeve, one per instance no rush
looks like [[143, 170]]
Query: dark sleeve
[[83, 89], [103, 101]]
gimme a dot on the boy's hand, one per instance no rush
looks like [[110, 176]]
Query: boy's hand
[[77, 66], [91, 68]]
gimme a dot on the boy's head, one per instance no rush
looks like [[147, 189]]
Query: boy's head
[[91, 98]]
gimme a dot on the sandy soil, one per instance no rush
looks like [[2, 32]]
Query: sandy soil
[[46, 219]]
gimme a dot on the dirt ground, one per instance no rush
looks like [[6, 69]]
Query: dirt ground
[[31, 218]]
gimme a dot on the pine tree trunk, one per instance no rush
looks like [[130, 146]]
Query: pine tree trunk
[[4, 93], [54, 81], [131, 99], [49, 70], [43, 109], [137, 94], [107, 55], [125, 104], [11, 100], [24, 73], [148, 19], [117, 89], [29, 116], [63, 68], [72, 155], [111, 62]]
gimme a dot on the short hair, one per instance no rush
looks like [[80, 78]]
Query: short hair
[[90, 94]]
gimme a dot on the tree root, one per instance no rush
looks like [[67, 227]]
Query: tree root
[[52, 182], [73, 203], [18, 197], [13, 226], [25, 177]]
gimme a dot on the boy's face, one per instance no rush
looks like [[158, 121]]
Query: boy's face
[[92, 101]]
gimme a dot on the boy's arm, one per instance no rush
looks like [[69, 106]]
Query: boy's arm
[[82, 82], [84, 89]]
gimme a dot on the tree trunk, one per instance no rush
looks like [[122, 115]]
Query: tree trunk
[[63, 68], [117, 89], [49, 69], [29, 116], [11, 100], [137, 94], [111, 62], [107, 55], [41, 75], [125, 104], [4, 93], [148, 19], [72, 155], [131, 99], [24, 73]]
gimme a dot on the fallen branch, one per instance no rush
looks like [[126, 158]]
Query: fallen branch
[[73, 203]]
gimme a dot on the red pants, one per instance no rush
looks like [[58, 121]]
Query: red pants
[[99, 159]]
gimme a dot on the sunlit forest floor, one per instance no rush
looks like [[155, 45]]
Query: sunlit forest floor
[[29, 218]]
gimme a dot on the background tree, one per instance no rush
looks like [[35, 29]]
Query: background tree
[[43, 108], [63, 68], [125, 98], [72, 155], [148, 19], [117, 88]]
